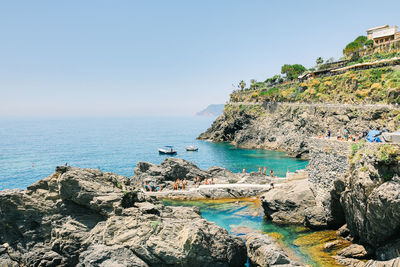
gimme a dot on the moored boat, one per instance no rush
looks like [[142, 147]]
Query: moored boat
[[192, 148], [168, 150]]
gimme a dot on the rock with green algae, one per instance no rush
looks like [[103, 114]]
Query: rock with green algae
[[322, 246]]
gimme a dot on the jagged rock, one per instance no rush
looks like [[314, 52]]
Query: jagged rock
[[105, 256], [173, 168], [86, 217], [327, 167], [287, 204], [388, 251], [373, 263], [264, 251], [333, 245], [289, 126], [371, 201], [355, 251], [343, 231], [213, 192]]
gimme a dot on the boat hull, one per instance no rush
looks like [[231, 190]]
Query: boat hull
[[164, 152]]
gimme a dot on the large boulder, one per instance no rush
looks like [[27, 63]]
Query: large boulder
[[264, 251], [292, 203], [87, 217]]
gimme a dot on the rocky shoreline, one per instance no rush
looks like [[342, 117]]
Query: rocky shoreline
[[288, 126], [83, 217]]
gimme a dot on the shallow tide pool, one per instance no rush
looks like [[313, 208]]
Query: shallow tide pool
[[247, 215]]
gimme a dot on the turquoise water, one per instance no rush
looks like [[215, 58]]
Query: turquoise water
[[240, 218], [116, 145]]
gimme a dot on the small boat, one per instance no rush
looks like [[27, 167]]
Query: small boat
[[192, 148], [168, 150]]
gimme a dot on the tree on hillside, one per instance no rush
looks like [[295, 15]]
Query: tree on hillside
[[274, 79], [369, 43], [242, 84], [319, 60], [292, 71], [361, 39], [352, 49]]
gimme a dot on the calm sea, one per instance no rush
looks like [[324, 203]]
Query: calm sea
[[30, 149]]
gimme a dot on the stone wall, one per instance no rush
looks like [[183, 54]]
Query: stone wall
[[329, 162]]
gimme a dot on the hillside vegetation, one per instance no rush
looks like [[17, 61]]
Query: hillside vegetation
[[379, 85]]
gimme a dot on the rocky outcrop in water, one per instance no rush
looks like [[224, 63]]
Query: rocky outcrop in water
[[171, 169], [264, 251], [287, 203], [353, 183], [288, 126], [86, 217]]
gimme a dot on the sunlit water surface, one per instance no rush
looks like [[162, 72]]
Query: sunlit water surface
[[30, 149]]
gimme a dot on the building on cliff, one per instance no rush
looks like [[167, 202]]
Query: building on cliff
[[383, 34]]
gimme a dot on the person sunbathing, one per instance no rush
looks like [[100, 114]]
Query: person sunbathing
[[206, 182], [212, 180]]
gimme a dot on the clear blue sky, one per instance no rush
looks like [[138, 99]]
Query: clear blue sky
[[127, 58]]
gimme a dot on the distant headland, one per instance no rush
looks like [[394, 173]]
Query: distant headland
[[212, 110]]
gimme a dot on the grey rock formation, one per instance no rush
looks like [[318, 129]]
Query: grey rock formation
[[86, 217], [171, 169], [288, 126], [213, 192], [354, 251], [328, 165], [264, 251], [371, 201], [292, 203]]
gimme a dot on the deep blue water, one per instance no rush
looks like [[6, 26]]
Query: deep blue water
[[116, 145]]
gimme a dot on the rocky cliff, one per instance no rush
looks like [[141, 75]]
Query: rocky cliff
[[353, 183], [83, 217], [289, 126]]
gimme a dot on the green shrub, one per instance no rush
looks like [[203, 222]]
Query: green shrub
[[388, 154]]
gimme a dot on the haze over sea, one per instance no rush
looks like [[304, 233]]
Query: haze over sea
[[116, 145]]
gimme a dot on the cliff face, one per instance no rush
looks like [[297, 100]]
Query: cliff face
[[349, 183], [371, 200], [83, 217], [289, 126]]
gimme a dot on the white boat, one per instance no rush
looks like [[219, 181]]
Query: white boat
[[169, 150], [192, 148]]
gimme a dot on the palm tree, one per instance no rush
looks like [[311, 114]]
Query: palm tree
[[319, 61]]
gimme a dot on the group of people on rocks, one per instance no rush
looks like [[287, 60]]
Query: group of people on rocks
[[179, 184], [182, 184], [264, 171], [347, 136], [151, 187]]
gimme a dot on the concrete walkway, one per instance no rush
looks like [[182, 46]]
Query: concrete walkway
[[195, 192]]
